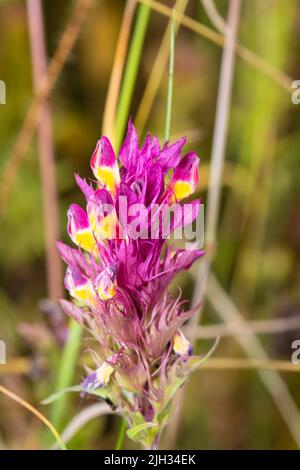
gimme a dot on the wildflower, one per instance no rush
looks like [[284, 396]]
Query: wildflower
[[181, 345], [119, 281], [99, 378]]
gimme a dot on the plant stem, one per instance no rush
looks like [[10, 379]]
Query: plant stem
[[157, 70], [171, 79], [121, 435], [131, 71]]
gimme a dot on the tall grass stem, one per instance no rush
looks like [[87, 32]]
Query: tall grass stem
[[171, 80], [131, 70], [66, 372]]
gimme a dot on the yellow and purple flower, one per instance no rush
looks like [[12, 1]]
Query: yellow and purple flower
[[118, 277]]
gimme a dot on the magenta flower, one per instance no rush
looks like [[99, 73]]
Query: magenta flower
[[119, 274]]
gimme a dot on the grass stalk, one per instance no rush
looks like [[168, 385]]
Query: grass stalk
[[109, 114], [157, 71], [66, 372], [131, 70], [121, 435], [171, 79]]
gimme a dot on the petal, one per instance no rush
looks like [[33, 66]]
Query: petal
[[79, 229], [106, 283], [72, 311], [105, 166], [185, 178], [75, 259], [181, 345], [129, 151], [104, 372], [86, 188], [102, 215], [183, 259], [182, 215], [79, 287], [98, 378], [170, 154]]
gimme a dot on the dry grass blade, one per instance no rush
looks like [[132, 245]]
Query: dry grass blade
[[230, 363], [251, 327], [54, 69], [258, 63], [18, 365], [37, 413], [214, 16]]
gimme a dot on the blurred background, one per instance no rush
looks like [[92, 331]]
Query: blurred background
[[256, 266]]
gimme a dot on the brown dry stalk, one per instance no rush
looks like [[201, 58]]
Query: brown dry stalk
[[18, 365], [215, 178], [265, 327], [229, 363], [46, 85], [257, 62], [46, 153], [23, 365]]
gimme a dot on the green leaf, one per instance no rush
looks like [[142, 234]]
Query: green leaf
[[138, 433], [100, 393]]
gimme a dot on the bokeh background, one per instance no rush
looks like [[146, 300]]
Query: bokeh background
[[258, 237]]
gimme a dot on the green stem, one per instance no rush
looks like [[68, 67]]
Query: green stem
[[171, 79], [121, 435], [66, 371], [129, 80]]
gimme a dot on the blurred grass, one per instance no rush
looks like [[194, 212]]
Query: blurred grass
[[259, 237]]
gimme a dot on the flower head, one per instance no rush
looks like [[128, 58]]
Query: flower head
[[120, 270]]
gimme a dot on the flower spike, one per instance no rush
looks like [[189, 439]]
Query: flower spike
[[119, 273]]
